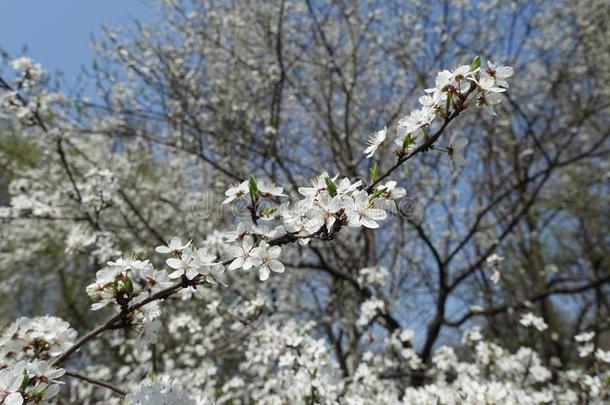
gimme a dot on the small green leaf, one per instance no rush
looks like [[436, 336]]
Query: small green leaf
[[38, 394], [374, 172], [129, 285], [378, 192], [407, 142], [330, 186], [252, 186], [25, 382], [268, 211], [476, 63]]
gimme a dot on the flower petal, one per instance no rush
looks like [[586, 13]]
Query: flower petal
[[263, 273]]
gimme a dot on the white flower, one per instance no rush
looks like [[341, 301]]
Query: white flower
[[376, 141], [325, 214], [488, 84], [493, 261], [318, 185], [238, 190], [14, 398], [530, 319], [390, 193], [269, 190], [373, 275], [585, 343], [445, 358], [174, 246], [456, 81], [265, 258], [433, 100], [488, 101], [414, 122], [368, 310], [147, 277], [79, 238], [472, 335], [148, 335], [499, 73], [242, 254], [584, 337], [603, 355], [456, 149], [148, 312], [10, 382], [33, 70], [413, 360], [238, 234], [361, 213], [265, 232], [345, 186], [161, 391], [406, 336], [186, 265], [207, 265], [43, 369], [293, 219], [585, 349]]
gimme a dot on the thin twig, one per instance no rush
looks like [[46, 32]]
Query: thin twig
[[95, 381]]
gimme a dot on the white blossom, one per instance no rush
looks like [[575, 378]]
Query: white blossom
[[360, 211], [537, 322], [242, 254], [456, 149], [174, 246], [238, 190], [376, 141], [264, 257]]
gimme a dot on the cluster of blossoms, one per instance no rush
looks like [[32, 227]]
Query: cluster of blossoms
[[297, 368], [125, 283], [586, 347], [32, 71], [369, 310], [297, 361], [29, 382], [453, 92], [373, 276], [98, 190], [28, 200], [494, 262], [35, 338], [26, 347], [325, 207], [158, 391], [30, 76], [499, 376], [531, 320], [189, 262]]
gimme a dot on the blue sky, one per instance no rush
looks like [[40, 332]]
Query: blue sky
[[58, 32]]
